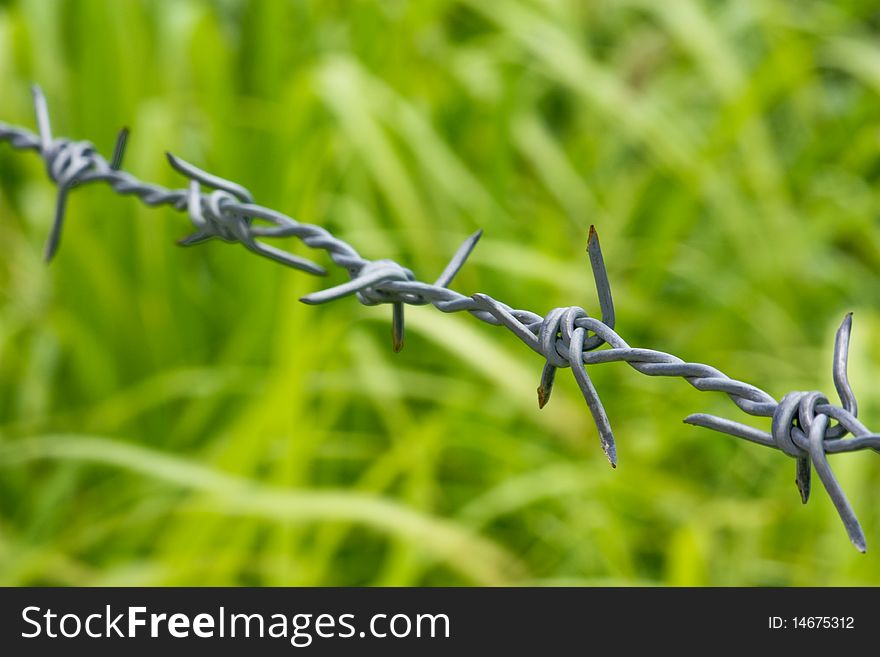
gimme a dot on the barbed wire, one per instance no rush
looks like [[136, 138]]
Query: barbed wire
[[565, 337]]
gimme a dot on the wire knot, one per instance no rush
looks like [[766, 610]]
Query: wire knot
[[378, 272], [796, 411], [212, 216], [227, 213], [367, 275], [554, 335], [800, 429], [68, 163], [562, 339], [66, 160]]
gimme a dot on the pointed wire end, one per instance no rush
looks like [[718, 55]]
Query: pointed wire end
[[309, 300], [49, 253], [398, 330], [192, 240], [803, 476], [53, 242], [593, 236], [176, 163], [543, 397], [37, 93], [805, 492], [457, 262], [119, 148], [856, 534], [44, 125], [301, 264], [471, 242], [845, 329], [611, 452], [612, 459], [600, 278], [308, 267], [397, 333], [859, 541]]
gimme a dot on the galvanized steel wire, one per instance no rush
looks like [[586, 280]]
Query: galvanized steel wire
[[565, 338]]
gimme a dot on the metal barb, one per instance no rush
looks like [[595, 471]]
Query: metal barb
[[458, 260], [841, 356], [584, 382], [208, 179], [397, 328], [565, 337], [600, 276], [54, 239], [817, 454], [357, 284], [546, 386], [119, 149], [802, 476], [44, 125]]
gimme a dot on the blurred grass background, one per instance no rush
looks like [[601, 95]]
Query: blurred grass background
[[175, 416]]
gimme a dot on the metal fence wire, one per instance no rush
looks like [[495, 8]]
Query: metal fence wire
[[566, 337]]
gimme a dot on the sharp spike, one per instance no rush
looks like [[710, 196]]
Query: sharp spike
[[835, 492], [119, 149], [44, 125], [54, 240], [546, 386], [600, 276], [803, 473], [284, 257], [209, 179], [841, 356], [731, 428], [196, 238], [397, 327], [591, 396], [458, 260], [345, 289]]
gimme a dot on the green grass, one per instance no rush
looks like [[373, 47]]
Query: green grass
[[175, 416]]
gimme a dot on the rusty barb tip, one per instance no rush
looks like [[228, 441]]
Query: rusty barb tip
[[543, 398]]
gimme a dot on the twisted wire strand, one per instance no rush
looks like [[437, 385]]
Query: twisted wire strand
[[565, 338]]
